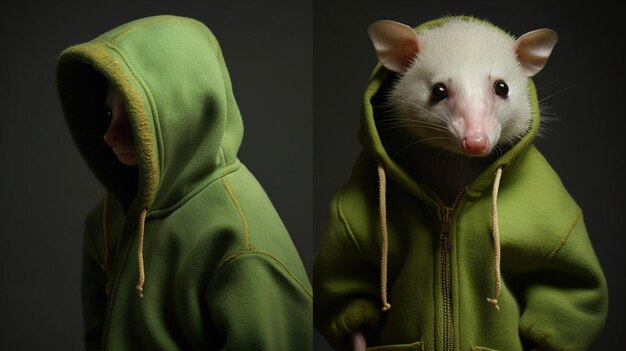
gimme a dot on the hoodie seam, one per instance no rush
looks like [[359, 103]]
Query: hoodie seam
[[233, 197], [563, 240], [134, 27], [162, 212], [344, 221], [261, 253]]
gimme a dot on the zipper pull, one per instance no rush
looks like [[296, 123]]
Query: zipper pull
[[445, 229]]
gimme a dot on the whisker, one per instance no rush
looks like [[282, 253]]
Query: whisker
[[414, 122], [386, 129], [546, 85], [561, 91], [442, 152], [399, 152], [411, 121], [416, 105], [412, 144], [506, 27]]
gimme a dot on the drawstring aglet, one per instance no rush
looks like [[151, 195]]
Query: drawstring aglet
[[494, 303], [139, 288]]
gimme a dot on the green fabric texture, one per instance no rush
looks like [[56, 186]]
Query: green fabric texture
[[554, 292], [221, 271]]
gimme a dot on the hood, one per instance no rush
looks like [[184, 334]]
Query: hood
[[371, 140], [177, 92]]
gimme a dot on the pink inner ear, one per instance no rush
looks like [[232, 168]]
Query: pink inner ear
[[533, 49], [395, 44], [399, 54], [410, 50]]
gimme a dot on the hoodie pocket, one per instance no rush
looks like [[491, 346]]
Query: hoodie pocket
[[416, 346], [480, 348]]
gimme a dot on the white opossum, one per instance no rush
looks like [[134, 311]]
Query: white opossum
[[455, 93], [460, 87]]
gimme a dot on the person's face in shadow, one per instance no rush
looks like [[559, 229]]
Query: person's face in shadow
[[119, 136]]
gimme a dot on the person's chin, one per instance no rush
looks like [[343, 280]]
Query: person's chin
[[128, 159]]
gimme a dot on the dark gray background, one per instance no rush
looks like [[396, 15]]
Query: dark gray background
[[584, 146], [46, 187], [271, 47]]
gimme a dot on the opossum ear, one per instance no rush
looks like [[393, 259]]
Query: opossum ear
[[396, 44], [534, 48]]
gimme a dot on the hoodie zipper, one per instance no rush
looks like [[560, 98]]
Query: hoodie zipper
[[445, 264], [446, 277]]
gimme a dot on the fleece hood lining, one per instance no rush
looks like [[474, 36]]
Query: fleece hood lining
[[102, 60], [148, 174]]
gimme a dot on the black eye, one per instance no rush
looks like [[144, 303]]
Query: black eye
[[438, 92], [107, 112], [501, 89]]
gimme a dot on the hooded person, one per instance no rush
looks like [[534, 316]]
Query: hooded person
[[506, 264], [186, 250]]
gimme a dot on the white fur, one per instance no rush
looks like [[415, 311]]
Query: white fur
[[468, 57]]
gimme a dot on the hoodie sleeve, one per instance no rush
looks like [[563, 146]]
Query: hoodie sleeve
[[256, 303], [346, 295], [93, 294], [566, 299]]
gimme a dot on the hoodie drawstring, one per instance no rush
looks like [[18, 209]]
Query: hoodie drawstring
[[140, 232], [496, 238], [107, 249], [382, 206], [106, 267]]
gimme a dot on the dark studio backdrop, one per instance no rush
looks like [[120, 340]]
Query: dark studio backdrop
[[585, 73], [47, 188], [299, 70]]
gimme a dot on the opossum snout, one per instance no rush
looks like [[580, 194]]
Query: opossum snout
[[476, 143]]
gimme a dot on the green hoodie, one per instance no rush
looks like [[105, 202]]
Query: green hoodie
[[437, 266], [190, 229]]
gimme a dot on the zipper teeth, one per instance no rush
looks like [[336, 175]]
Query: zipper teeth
[[446, 273], [441, 204], [446, 245], [447, 306]]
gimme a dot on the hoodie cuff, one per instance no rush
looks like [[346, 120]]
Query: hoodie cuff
[[358, 315]]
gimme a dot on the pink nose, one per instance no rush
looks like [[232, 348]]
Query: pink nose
[[476, 145]]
